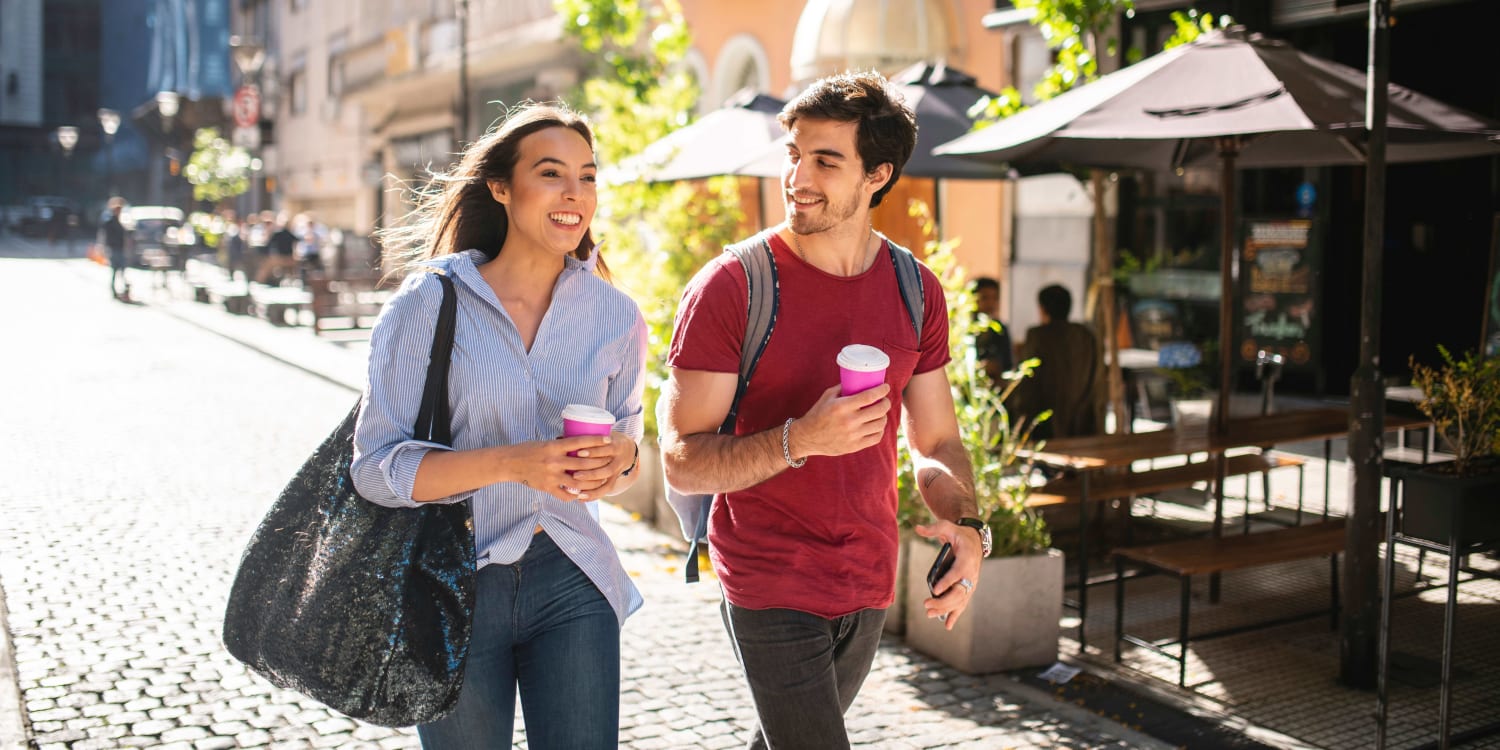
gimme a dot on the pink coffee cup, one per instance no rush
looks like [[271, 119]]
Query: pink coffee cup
[[581, 419], [861, 368]]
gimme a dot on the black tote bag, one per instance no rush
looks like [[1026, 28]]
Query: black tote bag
[[365, 608]]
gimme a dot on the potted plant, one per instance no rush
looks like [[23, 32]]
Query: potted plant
[[1457, 500], [1182, 363], [1012, 621]]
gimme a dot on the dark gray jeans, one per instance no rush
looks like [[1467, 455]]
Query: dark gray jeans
[[803, 670]]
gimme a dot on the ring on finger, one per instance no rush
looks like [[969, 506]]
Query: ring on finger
[[967, 584]]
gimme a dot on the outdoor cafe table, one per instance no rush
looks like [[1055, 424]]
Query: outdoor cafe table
[[1085, 456]]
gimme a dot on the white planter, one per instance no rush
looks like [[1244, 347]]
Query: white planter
[[1012, 622], [1192, 413]]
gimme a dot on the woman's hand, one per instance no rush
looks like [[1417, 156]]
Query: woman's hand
[[600, 482], [545, 465]]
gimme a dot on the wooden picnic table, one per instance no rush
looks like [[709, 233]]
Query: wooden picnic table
[[1086, 456]]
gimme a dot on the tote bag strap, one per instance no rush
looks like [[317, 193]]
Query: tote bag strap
[[434, 423]]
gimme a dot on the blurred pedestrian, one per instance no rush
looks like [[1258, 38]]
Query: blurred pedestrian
[[281, 250], [115, 241], [235, 243], [510, 227]]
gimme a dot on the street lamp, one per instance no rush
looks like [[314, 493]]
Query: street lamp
[[248, 54], [109, 121]]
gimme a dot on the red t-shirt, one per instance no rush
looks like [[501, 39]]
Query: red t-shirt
[[820, 539]]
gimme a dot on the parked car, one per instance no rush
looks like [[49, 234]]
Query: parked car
[[153, 230], [46, 216]]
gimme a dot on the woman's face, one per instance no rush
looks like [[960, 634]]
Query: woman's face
[[550, 197]]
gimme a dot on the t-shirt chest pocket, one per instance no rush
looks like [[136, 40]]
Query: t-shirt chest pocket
[[903, 362]]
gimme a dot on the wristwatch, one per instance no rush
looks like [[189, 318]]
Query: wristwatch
[[983, 529]]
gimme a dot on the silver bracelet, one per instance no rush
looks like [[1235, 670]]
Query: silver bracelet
[[786, 447]]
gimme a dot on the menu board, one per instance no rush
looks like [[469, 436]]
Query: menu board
[[1279, 291]]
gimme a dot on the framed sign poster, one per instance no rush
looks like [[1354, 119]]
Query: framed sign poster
[[1279, 304]]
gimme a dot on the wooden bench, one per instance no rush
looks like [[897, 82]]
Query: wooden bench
[[1068, 490], [351, 298], [1191, 557], [280, 305]]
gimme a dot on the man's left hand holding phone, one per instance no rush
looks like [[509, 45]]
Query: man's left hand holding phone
[[958, 559]]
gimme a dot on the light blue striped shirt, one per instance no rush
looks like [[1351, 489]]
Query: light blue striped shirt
[[590, 349]]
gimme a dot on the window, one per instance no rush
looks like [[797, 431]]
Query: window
[[296, 84], [336, 46]]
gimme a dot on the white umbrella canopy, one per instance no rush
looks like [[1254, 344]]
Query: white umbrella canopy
[[1288, 109], [713, 145]]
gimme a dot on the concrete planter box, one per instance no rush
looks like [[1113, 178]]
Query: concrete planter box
[[1012, 622]]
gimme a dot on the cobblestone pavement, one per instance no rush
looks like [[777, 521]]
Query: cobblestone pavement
[[140, 453]]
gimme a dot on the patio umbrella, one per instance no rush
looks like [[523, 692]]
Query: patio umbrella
[[940, 97], [1242, 99], [713, 145], [1287, 109]]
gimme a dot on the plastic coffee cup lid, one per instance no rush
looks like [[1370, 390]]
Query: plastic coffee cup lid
[[863, 358], [586, 413]]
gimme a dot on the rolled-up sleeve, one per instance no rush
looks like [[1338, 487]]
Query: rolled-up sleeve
[[386, 455], [627, 389]]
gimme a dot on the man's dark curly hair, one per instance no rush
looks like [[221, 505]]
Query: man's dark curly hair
[[887, 129]]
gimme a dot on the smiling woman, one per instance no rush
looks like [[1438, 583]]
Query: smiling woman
[[538, 330]]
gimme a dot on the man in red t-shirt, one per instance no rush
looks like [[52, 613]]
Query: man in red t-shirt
[[803, 530]]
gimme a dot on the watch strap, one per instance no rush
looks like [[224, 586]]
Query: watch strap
[[979, 526]]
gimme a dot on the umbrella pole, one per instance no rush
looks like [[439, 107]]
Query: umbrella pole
[[1360, 624], [1104, 280], [1229, 148]]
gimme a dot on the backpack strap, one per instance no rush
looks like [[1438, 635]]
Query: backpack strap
[[762, 301], [909, 279]]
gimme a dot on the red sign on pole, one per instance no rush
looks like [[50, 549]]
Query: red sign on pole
[[247, 107]]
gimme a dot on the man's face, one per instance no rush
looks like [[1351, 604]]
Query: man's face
[[987, 301], [823, 179]]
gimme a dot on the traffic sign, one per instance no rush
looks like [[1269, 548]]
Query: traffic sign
[[247, 107]]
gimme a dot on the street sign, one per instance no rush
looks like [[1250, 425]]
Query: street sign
[[246, 138], [246, 107]]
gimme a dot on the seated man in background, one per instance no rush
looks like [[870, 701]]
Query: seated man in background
[[1070, 378], [992, 346]]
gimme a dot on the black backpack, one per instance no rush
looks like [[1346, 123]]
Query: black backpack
[[759, 262]]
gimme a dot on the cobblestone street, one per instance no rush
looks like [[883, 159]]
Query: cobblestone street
[[141, 451]]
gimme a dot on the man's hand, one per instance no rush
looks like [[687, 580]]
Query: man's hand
[[952, 596], [839, 425]]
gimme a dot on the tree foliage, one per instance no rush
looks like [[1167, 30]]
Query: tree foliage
[[635, 92], [1071, 29], [217, 170]]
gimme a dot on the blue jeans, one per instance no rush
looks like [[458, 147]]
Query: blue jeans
[[542, 625], [803, 670]]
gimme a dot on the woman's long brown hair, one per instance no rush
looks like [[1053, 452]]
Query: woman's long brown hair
[[456, 211]]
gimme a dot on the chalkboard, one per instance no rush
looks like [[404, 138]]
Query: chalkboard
[[1489, 332], [1279, 302]]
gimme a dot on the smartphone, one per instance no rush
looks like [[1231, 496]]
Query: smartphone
[[940, 568]]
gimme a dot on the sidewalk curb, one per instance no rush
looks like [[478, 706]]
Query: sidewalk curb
[[13, 726]]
